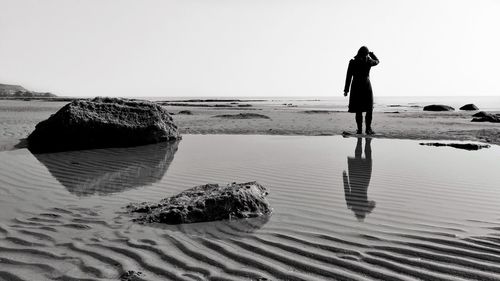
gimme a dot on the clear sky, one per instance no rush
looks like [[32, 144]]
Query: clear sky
[[248, 47]]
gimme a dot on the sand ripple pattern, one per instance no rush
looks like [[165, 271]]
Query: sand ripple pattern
[[62, 215]]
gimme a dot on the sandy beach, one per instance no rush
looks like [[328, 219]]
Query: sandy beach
[[296, 121], [352, 208], [249, 140], [18, 118]]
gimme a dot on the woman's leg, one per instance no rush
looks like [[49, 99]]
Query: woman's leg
[[359, 122], [368, 121]]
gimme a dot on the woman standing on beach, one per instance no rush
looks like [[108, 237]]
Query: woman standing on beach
[[361, 99]]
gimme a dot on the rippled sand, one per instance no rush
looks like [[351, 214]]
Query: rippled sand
[[344, 209]]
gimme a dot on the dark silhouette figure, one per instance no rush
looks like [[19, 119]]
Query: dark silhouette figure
[[356, 184], [361, 99]]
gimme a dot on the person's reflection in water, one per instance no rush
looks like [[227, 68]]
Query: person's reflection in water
[[357, 180]]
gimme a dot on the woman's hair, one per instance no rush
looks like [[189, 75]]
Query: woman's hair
[[362, 52]]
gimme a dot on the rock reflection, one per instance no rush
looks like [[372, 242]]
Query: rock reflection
[[222, 230], [111, 170], [357, 180]]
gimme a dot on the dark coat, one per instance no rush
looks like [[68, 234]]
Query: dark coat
[[361, 99]]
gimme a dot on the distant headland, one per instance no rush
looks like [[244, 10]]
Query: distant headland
[[16, 91]]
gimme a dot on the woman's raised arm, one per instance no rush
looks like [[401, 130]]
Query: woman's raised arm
[[373, 59]]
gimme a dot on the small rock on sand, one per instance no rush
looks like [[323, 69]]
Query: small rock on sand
[[208, 202], [481, 114], [185, 112], [131, 276], [469, 107], [466, 146], [486, 117], [243, 116], [318, 111], [438, 107]]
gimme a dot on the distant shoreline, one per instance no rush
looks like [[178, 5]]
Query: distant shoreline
[[41, 98]]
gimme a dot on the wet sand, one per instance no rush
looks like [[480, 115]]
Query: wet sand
[[18, 118], [296, 121], [344, 209]]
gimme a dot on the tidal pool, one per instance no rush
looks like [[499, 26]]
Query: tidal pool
[[343, 208]]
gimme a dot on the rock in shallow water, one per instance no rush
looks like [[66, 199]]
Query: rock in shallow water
[[208, 202], [466, 146], [103, 122]]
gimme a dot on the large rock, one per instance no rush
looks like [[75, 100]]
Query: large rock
[[469, 107], [103, 122], [438, 107], [486, 117], [208, 202]]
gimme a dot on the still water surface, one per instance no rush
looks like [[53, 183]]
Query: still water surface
[[344, 208]]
